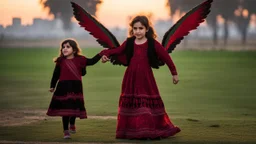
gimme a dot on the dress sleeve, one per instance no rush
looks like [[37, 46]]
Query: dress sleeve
[[117, 51], [56, 76], [83, 61], [88, 62], [94, 60], [165, 57]]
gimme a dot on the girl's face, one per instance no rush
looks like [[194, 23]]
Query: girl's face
[[67, 50], [139, 30]]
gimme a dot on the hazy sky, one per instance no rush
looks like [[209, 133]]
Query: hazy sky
[[111, 12]]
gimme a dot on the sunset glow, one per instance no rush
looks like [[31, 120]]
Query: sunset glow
[[24, 9], [111, 12]]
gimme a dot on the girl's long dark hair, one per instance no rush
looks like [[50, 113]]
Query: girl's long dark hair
[[145, 22], [73, 44], [150, 35]]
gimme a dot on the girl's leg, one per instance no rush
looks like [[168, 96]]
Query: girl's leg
[[65, 122], [72, 121]]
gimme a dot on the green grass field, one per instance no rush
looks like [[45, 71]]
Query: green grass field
[[213, 103]]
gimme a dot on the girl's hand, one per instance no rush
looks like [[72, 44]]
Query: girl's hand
[[175, 79], [103, 51], [51, 90], [104, 59]]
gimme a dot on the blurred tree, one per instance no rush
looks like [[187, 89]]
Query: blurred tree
[[182, 6], [62, 9], [244, 13], [225, 8]]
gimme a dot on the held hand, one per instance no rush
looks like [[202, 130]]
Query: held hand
[[103, 51], [175, 79], [104, 59], [51, 90]]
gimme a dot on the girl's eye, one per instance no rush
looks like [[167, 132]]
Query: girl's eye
[[134, 28], [141, 28]]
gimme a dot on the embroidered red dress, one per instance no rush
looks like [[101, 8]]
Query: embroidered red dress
[[141, 112]]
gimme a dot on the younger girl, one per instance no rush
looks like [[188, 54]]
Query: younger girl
[[68, 100], [141, 112]]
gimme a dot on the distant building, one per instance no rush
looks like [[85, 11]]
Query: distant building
[[15, 28], [16, 22], [38, 22], [1, 28]]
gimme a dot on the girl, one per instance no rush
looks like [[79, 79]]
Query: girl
[[68, 100], [141, 112]]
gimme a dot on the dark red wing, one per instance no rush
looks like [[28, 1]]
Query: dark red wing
[[89, 23], [190, 21]]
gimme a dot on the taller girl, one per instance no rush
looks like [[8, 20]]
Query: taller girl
[[141, 112]]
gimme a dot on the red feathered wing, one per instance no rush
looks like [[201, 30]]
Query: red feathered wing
[[103, 36], [190, 21], [89, 23]]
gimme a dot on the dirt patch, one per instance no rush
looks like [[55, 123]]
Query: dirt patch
[[25, 117], [21, 142], [20, 117], [102, 117]]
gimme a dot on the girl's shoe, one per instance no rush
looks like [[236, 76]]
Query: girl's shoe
[[72, 129], [66, 134]]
